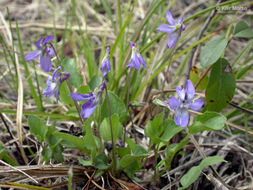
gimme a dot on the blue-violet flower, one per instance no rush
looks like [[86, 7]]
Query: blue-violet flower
[[92, 100], [185, 101], [171, 29], [53, 87], [44, 52], [136, 58], [105, 65]]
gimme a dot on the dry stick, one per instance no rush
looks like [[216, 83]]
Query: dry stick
[[199, 37], [202, 76], [201, 152], [88, 183], [98, 186]]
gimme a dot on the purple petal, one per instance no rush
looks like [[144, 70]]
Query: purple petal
[[88, 108], [180, 20], [108, 50], [45, 63], [181, 92], [136, 60], [32, 55], [170, 18], [182, 27], [66, 76], [181, 117], [173, 37], [197, 104], [132, 44], [39, 42], [173, 102], [47, 39], [81, 97], [190, 90], [142, 60], [51, 89], [57, 94], [134, 63], [49, 81], [54, 73], [165, 28], [49, 51], [105, 67]]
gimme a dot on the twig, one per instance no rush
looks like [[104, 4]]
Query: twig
[[191, 60], [201, 152], [98, 186], [202, 76], [241, 109]]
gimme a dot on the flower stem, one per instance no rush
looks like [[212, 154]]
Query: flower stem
[[68, 84], [113, 143], [156, 156]]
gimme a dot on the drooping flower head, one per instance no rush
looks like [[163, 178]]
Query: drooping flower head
[[44, 52], [171, 29], [185, 101], [53, 87], [136, 58], [105, 65], [92, 100]]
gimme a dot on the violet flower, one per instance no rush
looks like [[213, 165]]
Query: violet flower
[[44, 52], [171, 29], [92, 100], [185, 101], [53, 87], [105, 65], [136, 58]]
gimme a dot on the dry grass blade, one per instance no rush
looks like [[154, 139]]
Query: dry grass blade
[[20, 93], [20, 171]]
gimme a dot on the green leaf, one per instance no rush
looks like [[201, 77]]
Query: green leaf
[[140, 151], [154, 128], [170, 130], [212, 51], [132, 168], [83, 90], [122, 151], [195, 74], [131, 143], [105, 130], [84, 162], [116, 106], [37, 127], [64, 94], [192, 175], [6, 157], [95, 82], [221, 86], [207, 121], [78, 143], [69, 65], [127, 160], [242, 30], [101, 161], [91, 142]]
